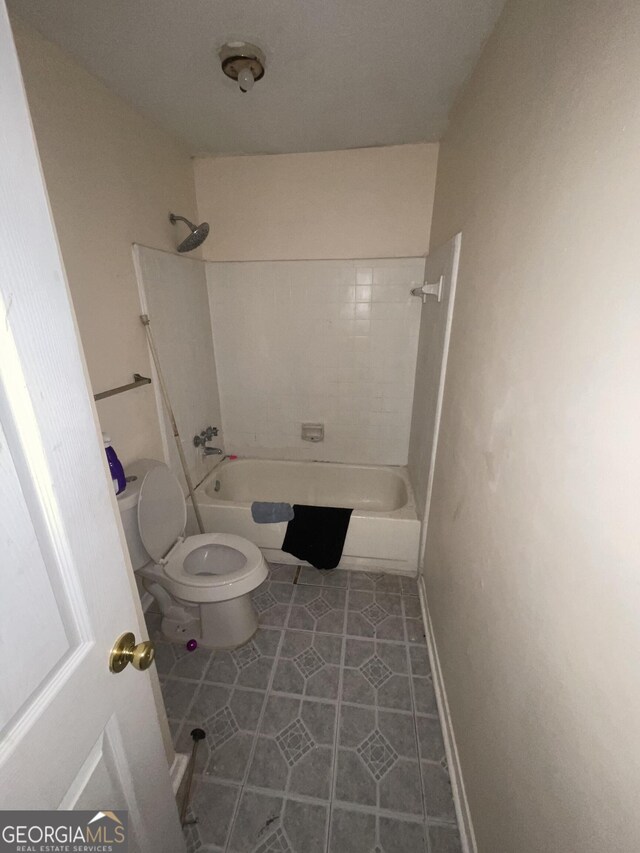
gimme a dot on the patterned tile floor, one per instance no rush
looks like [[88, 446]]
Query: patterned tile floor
[[322, 732]]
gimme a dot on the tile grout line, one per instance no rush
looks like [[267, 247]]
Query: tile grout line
[[185, 718], [376, 716], [349, 636], [427, 842], [336, 734], [401, 817], [254, 745], [378, 709], [197, 685], [320, 700]]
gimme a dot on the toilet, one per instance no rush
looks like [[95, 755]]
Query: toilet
[[201, 583]]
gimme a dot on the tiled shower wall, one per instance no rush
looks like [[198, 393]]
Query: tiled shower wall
[[319, 341]]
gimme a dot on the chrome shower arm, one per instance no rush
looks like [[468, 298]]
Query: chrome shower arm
[[173, 218]]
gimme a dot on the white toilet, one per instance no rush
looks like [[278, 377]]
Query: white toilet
[[202, 583]]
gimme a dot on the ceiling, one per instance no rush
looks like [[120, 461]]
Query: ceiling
[[339, 73]]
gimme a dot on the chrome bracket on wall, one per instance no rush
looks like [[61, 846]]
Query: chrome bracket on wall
[[429, 290]]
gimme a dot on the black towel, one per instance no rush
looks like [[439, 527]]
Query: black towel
[[316, 534]]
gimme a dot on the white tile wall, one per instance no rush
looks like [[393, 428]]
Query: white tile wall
[[174, 291], [329, 341]]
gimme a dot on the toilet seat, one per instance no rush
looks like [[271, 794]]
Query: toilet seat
[[223, 585], [199, 569]]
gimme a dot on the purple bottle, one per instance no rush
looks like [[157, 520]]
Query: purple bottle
[[115, 466]]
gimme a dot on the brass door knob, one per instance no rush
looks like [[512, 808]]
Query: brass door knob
[[125, 651]]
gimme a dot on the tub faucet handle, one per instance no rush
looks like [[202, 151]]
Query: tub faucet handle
[[205, 436]]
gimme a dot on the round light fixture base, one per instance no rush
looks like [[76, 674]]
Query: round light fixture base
[[242, 62]]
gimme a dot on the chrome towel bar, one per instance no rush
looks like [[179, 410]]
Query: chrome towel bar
[[137, 382]]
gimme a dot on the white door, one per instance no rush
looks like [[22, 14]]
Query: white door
[[431, 367], [72, 734]]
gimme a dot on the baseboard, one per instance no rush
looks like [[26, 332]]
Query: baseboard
[[178, 769], [467, 837]]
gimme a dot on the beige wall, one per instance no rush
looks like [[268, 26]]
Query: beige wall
[[112, 178], [533, 559], [363, 203]]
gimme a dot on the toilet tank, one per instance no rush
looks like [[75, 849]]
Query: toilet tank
[[128, 506]]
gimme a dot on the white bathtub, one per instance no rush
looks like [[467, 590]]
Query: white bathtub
[[384, 531]]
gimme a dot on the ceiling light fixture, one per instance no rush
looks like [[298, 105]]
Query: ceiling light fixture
[[243, 62]]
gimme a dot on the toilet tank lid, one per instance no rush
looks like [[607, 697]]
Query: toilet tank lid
[[162, 511]]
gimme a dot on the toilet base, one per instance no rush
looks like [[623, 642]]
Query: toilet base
[[214, 625], [180, 631], [222, 625], [227, 624]]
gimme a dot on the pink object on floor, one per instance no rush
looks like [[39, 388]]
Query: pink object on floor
[[192, 645]]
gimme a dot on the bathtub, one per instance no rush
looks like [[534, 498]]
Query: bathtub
[[384, 531]]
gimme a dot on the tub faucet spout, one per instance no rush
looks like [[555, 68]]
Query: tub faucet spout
[[212, 451]]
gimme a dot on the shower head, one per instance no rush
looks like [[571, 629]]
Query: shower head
[[198, 234]]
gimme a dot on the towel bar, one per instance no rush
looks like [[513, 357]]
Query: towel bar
[[137, 382]]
